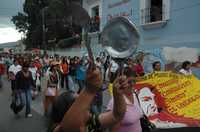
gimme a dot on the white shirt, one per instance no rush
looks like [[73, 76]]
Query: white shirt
[[98, 64], [33, 71], [114, 66], [186, 72], [14, 69]]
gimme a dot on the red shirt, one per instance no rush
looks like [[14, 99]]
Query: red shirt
[[65, 68], [138, 69], [38, 65], [2, 69]]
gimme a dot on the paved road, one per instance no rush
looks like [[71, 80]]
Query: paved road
[[10, 123]]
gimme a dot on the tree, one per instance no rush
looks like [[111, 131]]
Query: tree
[[20, 21], [57, 21]]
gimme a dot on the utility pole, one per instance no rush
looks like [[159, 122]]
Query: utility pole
[[43, 29]]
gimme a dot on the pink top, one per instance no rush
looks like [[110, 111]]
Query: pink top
[[131, 120]]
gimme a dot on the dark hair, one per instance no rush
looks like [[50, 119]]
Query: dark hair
[[185, 64], [15, 60], [64, 60], [154, 64], [128, 72], [25, 64], [98, 59], [61, 105], [51, 68]]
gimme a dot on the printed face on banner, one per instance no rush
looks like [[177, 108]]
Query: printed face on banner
[[170, 100], [147, 101]]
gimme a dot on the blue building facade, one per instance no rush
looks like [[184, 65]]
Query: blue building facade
[[177, 23]]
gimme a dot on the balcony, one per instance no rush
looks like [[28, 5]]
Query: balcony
[[152, 18], [94, 24]]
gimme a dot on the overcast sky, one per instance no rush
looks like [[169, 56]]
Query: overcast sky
[[8, 8]]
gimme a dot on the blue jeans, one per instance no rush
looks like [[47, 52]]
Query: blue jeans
[[26, 98], [81, 85]]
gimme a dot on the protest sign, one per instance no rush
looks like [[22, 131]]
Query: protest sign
[[169, 99]]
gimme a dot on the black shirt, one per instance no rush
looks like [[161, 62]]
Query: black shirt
[[23, 82]]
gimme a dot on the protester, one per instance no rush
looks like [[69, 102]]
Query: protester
[[156, 66], [51, 89], [33, 71], [131, 120], [79, 109], [98, 63], [138, 68], [112, 69], [13, 70], [72, 68], [80, 75], [24, 85], [38, 66], [186, 68], [46, 62], [64, 68], [34, 74], [106, 65]]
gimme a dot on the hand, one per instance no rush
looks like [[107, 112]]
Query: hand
[[93, 80], [120, 84]]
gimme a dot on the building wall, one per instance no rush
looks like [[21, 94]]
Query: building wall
[[66, 52], [89, 4], [96, 47], [182, 28]]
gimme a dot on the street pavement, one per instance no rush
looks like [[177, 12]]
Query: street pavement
[[11, 123], [38, 123]]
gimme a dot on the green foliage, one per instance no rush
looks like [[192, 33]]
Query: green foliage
[[56, 19], [20, 21]]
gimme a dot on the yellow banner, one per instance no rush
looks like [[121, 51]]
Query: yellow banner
[[178, 95]]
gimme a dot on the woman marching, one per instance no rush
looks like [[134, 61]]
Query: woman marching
[[133, 114], [51, 90], [64, 68]]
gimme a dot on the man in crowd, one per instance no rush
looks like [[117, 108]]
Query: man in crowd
[[156, 66], [76, 116], [13, 70]]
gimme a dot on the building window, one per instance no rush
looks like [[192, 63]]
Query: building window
[[95, 19], [95, 11], [154, 11]]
